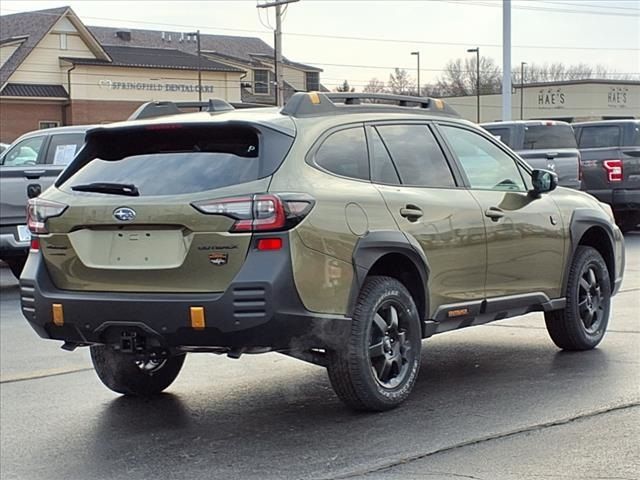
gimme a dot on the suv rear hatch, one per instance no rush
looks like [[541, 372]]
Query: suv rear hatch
[[133, 221], [552, 146]]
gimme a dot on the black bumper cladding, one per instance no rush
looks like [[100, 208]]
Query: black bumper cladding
[[260, 308]]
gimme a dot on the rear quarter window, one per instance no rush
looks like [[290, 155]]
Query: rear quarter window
[[180, 160], [599, 136], [538, 137]]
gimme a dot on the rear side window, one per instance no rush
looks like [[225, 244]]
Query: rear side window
[[600, 136], [382, 169], [345, 153], [538, 137], [62, 148], [176, 159], [502, 134], [417, 155]]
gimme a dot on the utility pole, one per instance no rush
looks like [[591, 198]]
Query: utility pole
[[197, 34], [477, 52], [417, 54], [522, 64], [506, 60], [279, 90]]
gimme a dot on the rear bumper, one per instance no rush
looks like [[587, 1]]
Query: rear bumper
[[10, 246], [621, 199], [260, 308]]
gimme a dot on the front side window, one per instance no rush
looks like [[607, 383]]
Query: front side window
[[345, 153], [502, 134], [487, 166], [417, 155], [382, 169], [62, 148], [600, 136], [552, 135], [24, 153], [261, 82]]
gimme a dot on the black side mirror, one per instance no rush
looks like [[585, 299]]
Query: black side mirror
[[543, 181]]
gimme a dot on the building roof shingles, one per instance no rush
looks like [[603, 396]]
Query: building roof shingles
[[31, 90]]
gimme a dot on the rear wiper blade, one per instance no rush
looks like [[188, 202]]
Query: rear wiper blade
[[105, 187]]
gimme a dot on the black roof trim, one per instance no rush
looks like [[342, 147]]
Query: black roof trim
[[33, 90]]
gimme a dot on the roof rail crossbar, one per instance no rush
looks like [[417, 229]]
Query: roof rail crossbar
[[321, 103], [161, 109]]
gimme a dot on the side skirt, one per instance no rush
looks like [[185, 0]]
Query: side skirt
[[461, 315]]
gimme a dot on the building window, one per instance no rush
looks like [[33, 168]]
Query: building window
[[63, 41], [48, 124], [261, 82], [313, 81]]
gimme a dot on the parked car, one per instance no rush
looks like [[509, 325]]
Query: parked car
[[610, 152], [337, 232], [544, 144], [31, 163]]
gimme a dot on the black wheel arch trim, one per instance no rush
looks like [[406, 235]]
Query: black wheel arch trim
[[581, 221], [376, 244]]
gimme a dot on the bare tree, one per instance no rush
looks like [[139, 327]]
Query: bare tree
[[459, 77], [554, 72], [345, 87], [401, 83], [375, 86]]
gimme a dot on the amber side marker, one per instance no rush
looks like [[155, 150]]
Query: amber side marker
[[458, 313], [197, 318], [314, 97], [57, 314]]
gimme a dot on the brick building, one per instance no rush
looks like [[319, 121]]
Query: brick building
[[55, 70]]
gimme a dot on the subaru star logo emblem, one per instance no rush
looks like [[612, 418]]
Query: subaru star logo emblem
[[124, 214]]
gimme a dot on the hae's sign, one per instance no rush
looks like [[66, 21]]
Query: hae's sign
[[617, 97], [551, 98]]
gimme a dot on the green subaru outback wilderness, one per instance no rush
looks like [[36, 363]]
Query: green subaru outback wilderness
[[335, 230]]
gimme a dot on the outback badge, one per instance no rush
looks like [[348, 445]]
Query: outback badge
[[218, 259]]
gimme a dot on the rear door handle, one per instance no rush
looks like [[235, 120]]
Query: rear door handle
[[494, 213], [411, 212], [33, 174]]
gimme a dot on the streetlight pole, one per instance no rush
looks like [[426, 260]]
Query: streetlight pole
[[197, 35], [522, 64], [417, 54], [477, 52], [278, 45]]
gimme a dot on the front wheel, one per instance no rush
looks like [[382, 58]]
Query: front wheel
[[124, 374], [583, 322], [377, 369]]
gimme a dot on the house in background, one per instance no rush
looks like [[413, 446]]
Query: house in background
[[55, 70]]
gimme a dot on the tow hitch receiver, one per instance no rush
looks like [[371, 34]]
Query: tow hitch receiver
[[131, 342]]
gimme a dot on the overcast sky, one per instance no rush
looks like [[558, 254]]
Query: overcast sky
[[543, 31]]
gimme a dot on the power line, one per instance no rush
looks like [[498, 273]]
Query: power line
[[608, 7], [540, 9], [372, 39]]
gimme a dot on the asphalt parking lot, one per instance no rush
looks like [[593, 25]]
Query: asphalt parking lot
[[498, 401]]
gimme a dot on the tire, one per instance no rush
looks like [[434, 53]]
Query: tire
[[16, 264], [583, 322], [120, 372], [378, 368]]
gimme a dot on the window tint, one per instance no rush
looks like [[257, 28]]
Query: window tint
[[261, 81], [382, 169], [487, 166], [555, 135], [416, 155], [600, 136], [502, 134], [635, 137], [345, 153], [181, 160], [24, 153], [63, 148]]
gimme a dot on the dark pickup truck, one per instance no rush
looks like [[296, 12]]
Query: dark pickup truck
[[610, 151], [544, 144]]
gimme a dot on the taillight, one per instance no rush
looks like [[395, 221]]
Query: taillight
[[260, 213], [614, 170], [35, 243], [39, 211]]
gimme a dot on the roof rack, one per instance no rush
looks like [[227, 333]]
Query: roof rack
[[161, 109], [321, 103]]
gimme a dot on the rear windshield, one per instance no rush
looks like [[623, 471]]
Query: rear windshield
[[600, 136], [538, 137], [502, 134], [170, 160]]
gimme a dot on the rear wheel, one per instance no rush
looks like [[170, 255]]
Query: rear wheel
[[123, 373], [583, 322], [379, 366]]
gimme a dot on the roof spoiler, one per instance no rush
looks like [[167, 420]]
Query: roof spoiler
[[161, 109], [320, 103]]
